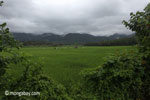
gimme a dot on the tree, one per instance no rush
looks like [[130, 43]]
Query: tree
[[33, 78], [125, 76], [140, 23], [7, 42]]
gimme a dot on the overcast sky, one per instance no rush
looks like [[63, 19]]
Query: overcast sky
[[97, 17]]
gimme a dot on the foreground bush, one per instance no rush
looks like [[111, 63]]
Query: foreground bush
[[126, 76], [120, 78], [34, 80], [31, 80]]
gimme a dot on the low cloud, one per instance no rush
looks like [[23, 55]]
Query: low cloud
[[97, 17]]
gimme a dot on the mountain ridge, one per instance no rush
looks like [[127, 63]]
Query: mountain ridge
[[70, 38]]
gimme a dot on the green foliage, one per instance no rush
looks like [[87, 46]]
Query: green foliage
[[120, 78], [8, 58], [125, 76], [7, 42], [117, 42], [78, 91], [140, 23], [34, 80], [1, 2]]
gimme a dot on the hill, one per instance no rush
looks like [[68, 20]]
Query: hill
[[70, 38]]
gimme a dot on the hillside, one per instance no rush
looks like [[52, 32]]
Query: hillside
[[70, 38]]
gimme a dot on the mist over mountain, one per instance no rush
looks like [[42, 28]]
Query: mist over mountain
[[70, 38]]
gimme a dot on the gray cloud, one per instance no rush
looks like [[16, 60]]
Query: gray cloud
[[97, 17]]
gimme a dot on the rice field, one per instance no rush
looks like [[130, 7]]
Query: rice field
[[64, 64]]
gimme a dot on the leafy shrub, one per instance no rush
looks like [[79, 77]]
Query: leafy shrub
[[34, 80], [31, 80], [120, 78], [125, 76], [78, 91], [7, 42], [140, 23]]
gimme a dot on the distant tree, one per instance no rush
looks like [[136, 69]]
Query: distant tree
[[129, 41]]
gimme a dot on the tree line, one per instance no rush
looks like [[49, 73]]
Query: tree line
[[117, 42]]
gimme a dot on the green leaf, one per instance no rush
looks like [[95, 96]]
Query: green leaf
[[3, 25]]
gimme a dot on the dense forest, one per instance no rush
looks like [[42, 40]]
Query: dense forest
[[117, 42]]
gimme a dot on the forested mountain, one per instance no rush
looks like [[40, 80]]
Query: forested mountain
[[70, 38]]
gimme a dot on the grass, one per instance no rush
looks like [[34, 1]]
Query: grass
[[65, 63]]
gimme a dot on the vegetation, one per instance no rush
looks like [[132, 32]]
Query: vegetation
[[140, 23], [125, 76], [65, 63], [51, 39], [129, 41], [32, 78]]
